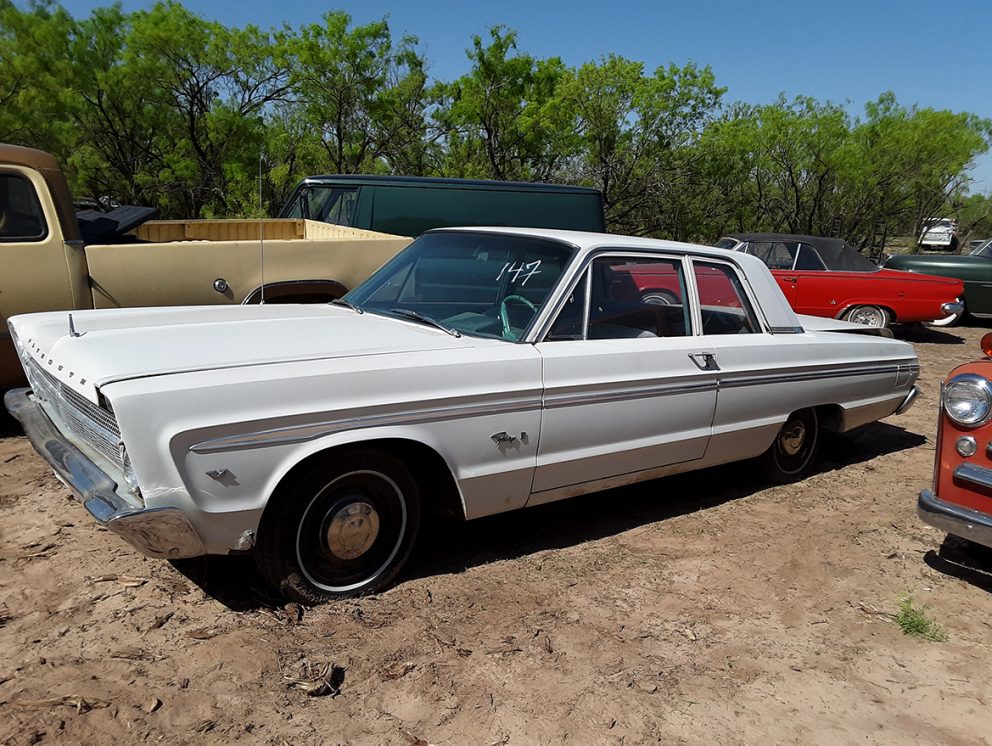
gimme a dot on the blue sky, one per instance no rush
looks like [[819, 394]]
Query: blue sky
[[936, 54]]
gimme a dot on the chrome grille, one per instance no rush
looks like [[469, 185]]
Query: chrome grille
[[94, 426]]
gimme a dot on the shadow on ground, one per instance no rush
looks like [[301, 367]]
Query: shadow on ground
[[919, 334], [449, 546], [964, 560]]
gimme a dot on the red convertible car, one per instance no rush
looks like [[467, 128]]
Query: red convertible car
[[828, 277]]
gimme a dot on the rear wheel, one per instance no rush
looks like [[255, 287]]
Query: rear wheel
[[344, 528], [791, 456], [868, 316]]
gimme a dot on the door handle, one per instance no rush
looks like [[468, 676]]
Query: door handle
[[704, 360], [791, 279]]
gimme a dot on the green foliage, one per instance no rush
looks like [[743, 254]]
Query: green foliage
[[163, 107], [914, 621]]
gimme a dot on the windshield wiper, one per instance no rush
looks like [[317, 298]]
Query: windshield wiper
[[346, 304], [417, 316]]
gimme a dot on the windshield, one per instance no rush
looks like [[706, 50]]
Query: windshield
[[482, 284], [726, 243], [982, 248]]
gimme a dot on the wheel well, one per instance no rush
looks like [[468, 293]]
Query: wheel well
[[297, 291], [438, 491], [831, 417]]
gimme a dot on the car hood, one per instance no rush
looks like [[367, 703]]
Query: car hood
[[89, 349]]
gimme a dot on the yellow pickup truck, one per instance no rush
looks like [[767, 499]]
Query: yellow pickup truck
[[46, 265]]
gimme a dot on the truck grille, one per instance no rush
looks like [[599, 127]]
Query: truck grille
[[94, 426]]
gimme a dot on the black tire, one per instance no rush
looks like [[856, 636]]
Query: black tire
[[873, 316], [792, 455], [344, 528]]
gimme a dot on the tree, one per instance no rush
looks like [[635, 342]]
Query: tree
[[504, 119]]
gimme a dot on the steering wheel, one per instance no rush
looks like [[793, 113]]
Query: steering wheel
[[504, 315]]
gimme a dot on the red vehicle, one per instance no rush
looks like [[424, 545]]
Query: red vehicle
[[828, 277], [960, 502]]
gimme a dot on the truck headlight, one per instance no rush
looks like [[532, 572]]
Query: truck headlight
[[968, 399]]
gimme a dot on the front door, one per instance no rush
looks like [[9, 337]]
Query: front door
[[627, 387]]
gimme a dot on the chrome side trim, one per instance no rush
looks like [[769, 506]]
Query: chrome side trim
[[164, 533], [303, 432], [812, 373], [786, 330], [954, 519], [293, 434], [974, 474], [625, 394]]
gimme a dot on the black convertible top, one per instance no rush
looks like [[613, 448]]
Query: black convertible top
[[836, 253]]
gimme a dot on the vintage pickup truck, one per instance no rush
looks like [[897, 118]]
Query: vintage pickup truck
[[46, 264]]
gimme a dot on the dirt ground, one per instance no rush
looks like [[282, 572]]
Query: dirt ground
[[705, 608]]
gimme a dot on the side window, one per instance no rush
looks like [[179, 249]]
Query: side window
[[775, 254], [808, 258], [637, 298], [21, 218], [570, 323], [722, 301]]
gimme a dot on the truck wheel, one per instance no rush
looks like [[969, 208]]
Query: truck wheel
[[868, 316], [344, 528], [791, 456]]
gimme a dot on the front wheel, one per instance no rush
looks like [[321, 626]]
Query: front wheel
[[868, 316], [791, 456], [344, 528]]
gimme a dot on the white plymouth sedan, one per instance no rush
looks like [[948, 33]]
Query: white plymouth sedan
[[480, 370]]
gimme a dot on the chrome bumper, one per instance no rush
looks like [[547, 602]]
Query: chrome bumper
[[908, 401], [954, 519], [164, 533], [950, 309]]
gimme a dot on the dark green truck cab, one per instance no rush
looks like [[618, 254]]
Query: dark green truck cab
[[410, 205], [974, 269]]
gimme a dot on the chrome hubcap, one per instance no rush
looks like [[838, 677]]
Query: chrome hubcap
[[792, 438], [352, 530]]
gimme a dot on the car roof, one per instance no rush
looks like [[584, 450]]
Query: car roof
[[837, 254], [590, 240], [777, 310], [442, 182]]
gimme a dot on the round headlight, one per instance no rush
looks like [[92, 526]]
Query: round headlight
[[968, 399]]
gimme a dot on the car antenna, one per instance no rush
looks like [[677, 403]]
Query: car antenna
[[261, 229]]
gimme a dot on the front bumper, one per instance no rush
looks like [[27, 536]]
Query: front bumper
[[954, 519], [908, 401], [950, 309], [164, 533]]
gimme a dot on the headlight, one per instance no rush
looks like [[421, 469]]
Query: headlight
[[968, 399]]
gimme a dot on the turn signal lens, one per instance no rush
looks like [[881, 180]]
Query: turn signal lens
[[966, 446], [987, 345]]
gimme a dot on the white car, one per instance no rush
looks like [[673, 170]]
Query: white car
[[939, 234], [479, 371]]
